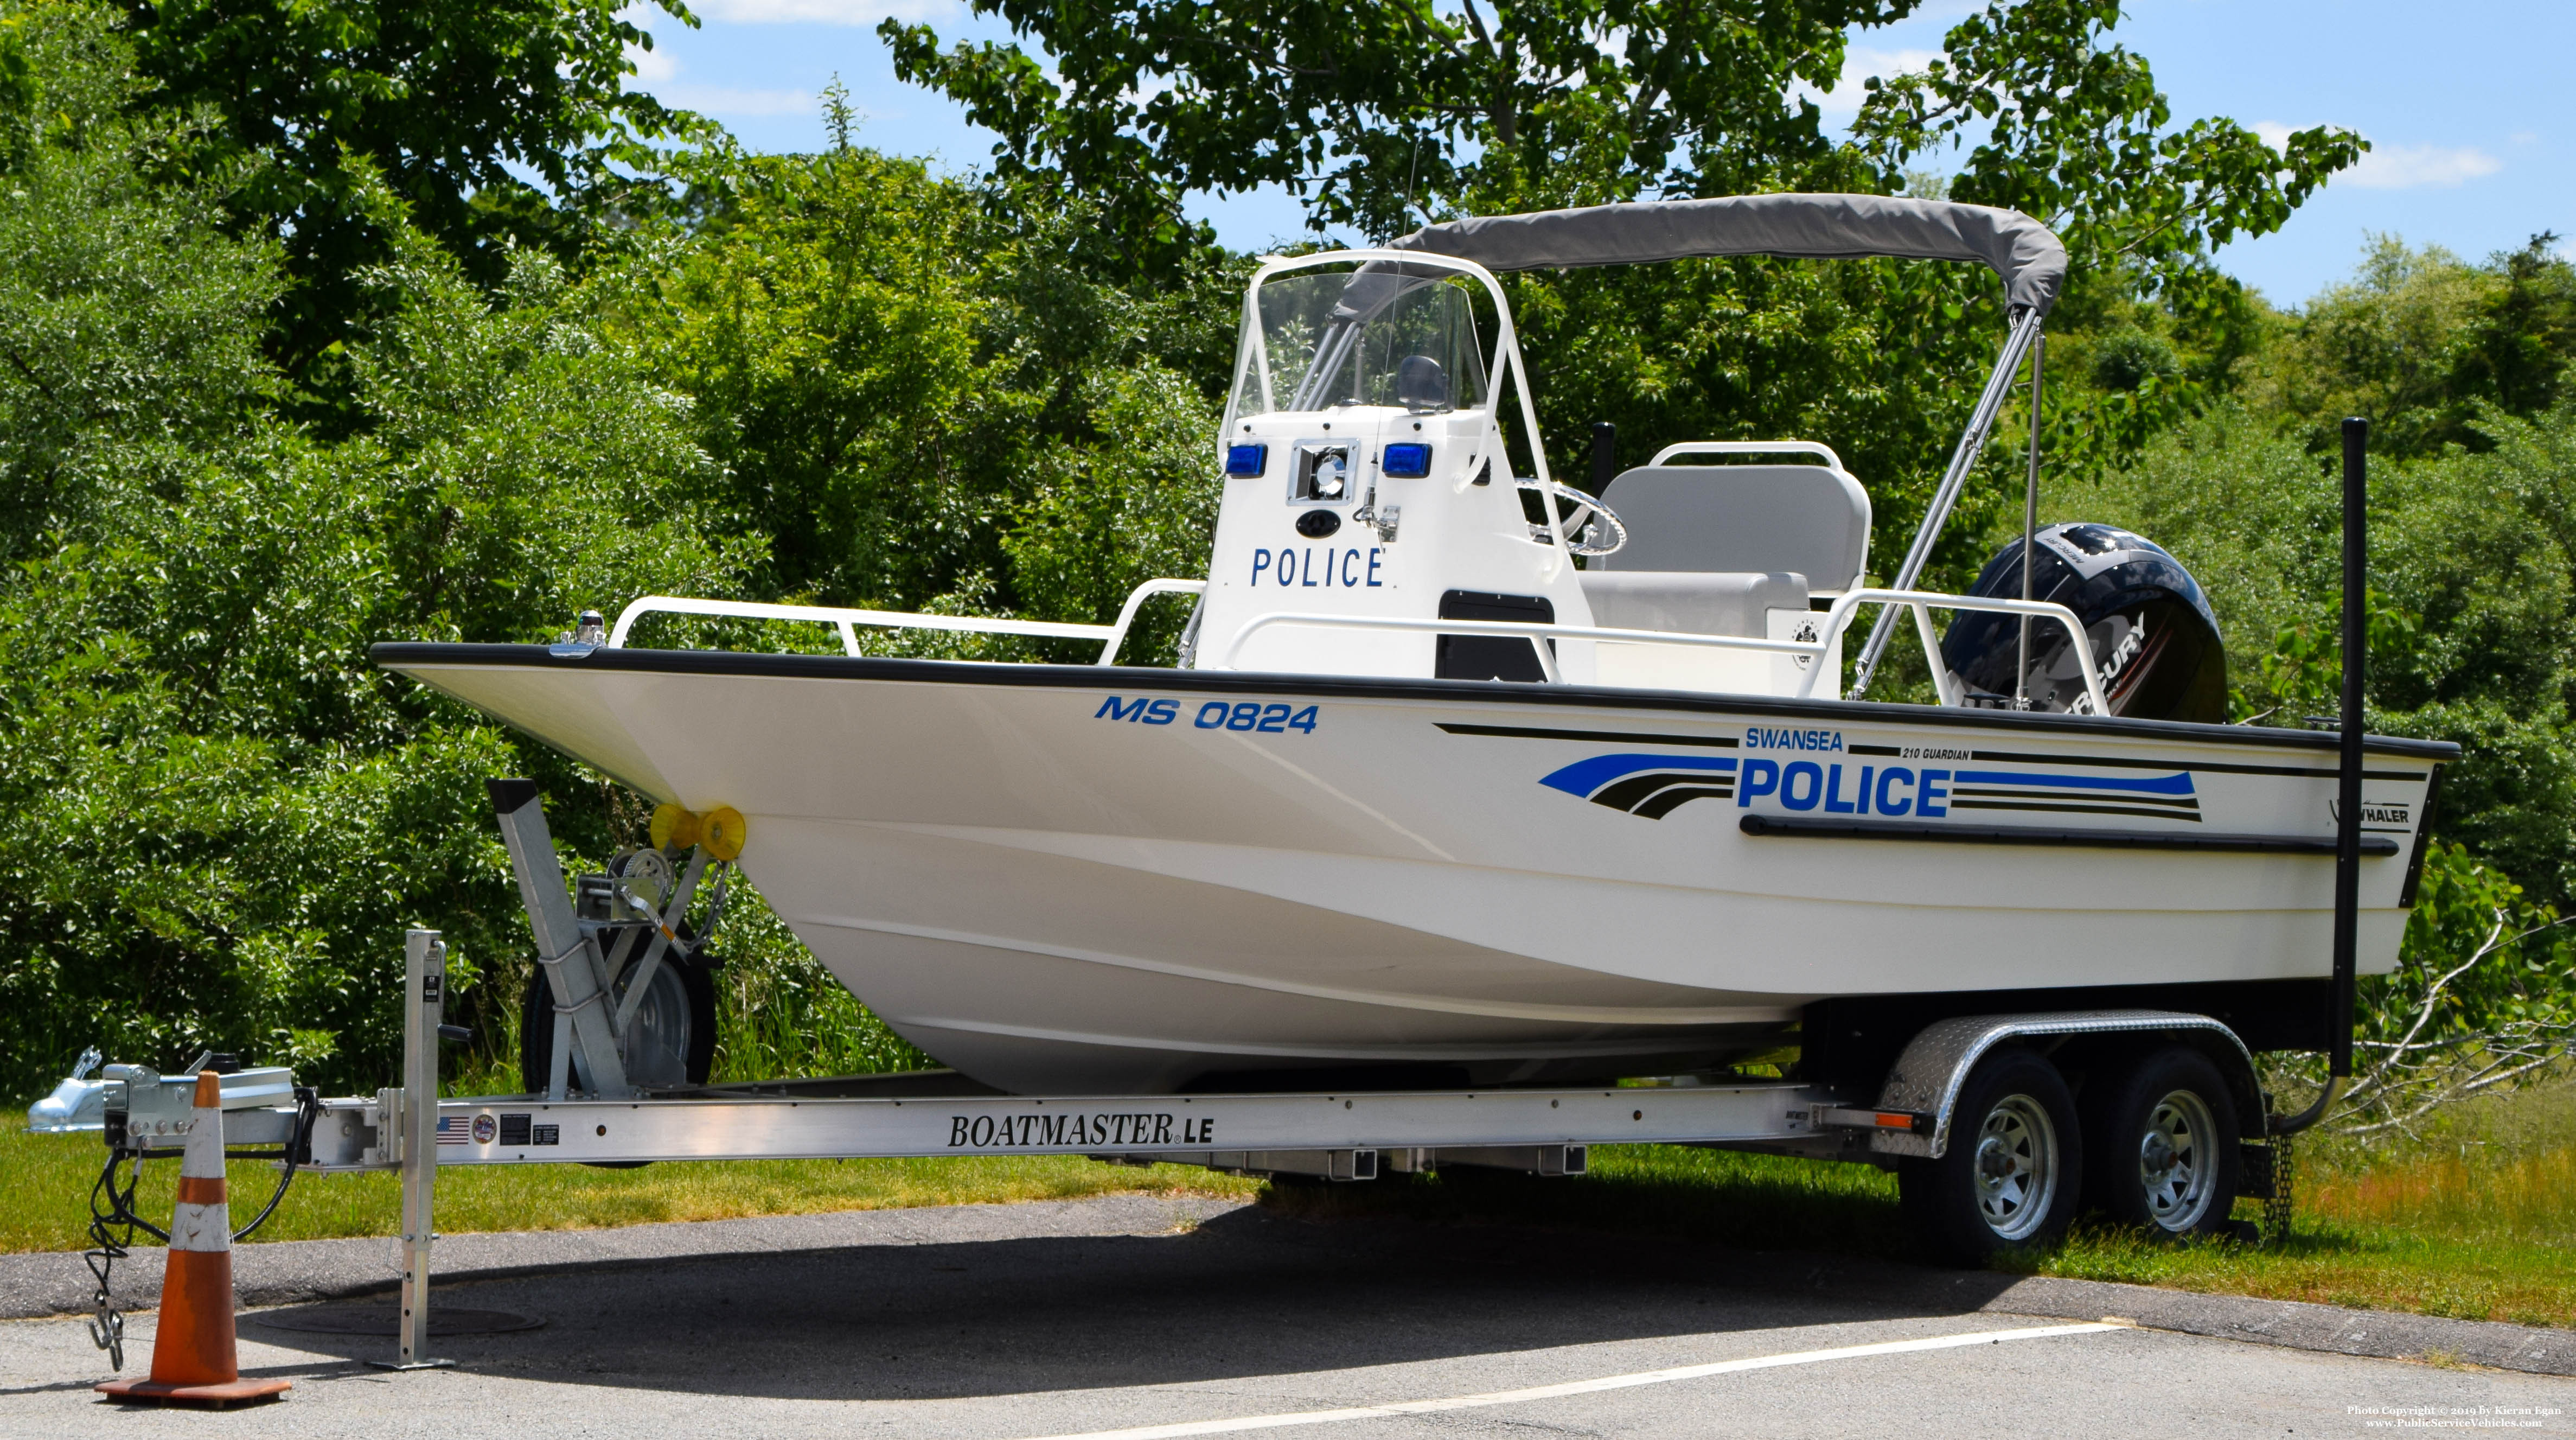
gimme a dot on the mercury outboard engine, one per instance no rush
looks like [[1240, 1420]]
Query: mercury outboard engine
[[2151, 629]]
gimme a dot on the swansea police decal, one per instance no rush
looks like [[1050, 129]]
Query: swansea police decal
[[1649, 785], [1653, 785]]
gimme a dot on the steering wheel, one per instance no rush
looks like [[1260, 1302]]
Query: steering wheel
[[1550, 491]]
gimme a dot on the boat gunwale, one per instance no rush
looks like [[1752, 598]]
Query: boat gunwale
[[402, 655]]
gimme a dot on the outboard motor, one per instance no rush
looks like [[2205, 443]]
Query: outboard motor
[[2151, 629]]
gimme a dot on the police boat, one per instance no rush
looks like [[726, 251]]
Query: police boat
[[1467, 777]]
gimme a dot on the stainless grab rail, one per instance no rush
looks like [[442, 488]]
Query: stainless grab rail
[[847, 621], [1837, 621]]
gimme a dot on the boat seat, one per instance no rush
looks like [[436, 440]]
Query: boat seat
[[1810, 520], [1693, 602]]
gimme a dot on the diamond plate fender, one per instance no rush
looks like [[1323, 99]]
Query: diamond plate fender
[[1936, 1062]]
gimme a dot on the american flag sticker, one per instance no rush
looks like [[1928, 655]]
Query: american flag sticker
[[452, 1130]]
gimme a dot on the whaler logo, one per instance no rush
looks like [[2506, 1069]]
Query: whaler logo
[[2377, 815]]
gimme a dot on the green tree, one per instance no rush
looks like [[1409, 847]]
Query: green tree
[[2052, 120], [216, 817], [883, 407], [2473, 580], [2421, 341], [497, 125], [1383, 118], [1383, 115], [129, 321]]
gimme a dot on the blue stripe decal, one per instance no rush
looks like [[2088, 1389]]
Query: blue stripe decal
[[2162, 785], [1585, 776]]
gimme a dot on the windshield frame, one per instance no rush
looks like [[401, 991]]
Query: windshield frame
[[1506, 363]]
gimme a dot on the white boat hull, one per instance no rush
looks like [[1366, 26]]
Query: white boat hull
[[1046, 878]]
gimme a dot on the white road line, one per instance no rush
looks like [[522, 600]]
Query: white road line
[[1580, 1387]]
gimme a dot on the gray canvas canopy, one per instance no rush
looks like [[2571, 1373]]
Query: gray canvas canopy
[[2016, 247]]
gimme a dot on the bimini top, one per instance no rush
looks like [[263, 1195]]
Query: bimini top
[[1812, 227]]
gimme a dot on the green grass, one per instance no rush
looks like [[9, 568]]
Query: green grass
[[2476, 1220], [45, 1182]]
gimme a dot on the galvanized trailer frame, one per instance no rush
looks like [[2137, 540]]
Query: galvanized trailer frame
[[1337, 1136], [1332, 1136]]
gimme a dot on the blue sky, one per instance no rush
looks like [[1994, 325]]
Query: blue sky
[[2470, 154]]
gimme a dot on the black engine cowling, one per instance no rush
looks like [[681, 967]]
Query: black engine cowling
[[2150, 627]]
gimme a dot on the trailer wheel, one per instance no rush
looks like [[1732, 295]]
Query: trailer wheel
[[2162, 1136], [2009, 1177], [674, 1031], [672, 1039]]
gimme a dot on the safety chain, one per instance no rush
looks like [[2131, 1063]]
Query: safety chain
[[107, 1323], [2277, 1204]]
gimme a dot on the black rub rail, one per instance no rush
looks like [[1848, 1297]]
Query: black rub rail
[[2039, 835]]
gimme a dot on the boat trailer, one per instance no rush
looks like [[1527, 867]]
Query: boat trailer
[[1337, 1136]]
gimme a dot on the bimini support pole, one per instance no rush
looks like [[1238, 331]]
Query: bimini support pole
[[2029, 525], [2347, 891], [1972, 442]]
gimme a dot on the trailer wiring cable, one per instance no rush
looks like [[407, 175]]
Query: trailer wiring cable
[[107, 1323], [308, 1110], [2288, 1125]]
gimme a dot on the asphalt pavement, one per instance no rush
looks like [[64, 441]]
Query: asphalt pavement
[[1146, 1317]]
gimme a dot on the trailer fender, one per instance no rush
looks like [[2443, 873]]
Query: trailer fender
[[1927, 1077]]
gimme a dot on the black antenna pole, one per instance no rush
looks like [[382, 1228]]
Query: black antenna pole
[[1605, 455], [2356, 646], [2347, 889]]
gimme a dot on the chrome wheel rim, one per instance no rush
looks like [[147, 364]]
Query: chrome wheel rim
[[2177, 1162], [2016, 1167], [657, 1039]]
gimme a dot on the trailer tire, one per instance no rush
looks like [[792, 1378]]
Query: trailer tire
[[536, 1034], [691, 991], [2010, 1177], [2162, 1136]]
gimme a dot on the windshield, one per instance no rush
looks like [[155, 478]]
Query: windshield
[[1375, 336]]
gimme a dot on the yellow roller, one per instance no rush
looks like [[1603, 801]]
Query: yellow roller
[[723, 832], [675, 828]]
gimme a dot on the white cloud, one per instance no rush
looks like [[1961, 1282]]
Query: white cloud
[[652, 67], [820, 12], [659, 73], [722, 100], [1860, 63], [2400, 167]]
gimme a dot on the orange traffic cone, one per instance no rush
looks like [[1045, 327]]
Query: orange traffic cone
[[193, 1360]]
